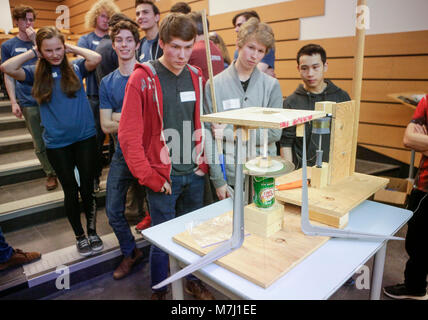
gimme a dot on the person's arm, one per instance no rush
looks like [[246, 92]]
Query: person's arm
[[116, 116], [415, 137], [92, 58], [10, 88], [13, 66], [108, 125]]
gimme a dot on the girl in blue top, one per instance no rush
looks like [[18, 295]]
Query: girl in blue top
[[69, 125]]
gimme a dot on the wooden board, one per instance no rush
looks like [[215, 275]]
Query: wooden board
[[399, 97], [331, 205], [341, 146], [273, 118], [259, 260]]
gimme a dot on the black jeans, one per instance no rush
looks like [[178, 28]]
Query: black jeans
[[81, 155], [99, 162], [416, 270]]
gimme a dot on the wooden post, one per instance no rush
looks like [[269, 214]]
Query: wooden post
[[357, 83]]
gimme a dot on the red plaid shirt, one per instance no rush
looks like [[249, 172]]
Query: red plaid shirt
[[421, 117]]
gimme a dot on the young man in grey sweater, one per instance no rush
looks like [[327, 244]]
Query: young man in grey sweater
[[241, 85]]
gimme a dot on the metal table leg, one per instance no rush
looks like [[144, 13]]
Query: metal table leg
[[377, 274], [177, 285]]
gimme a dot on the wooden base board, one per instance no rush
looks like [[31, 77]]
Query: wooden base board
[[331, 205], [260, 260]]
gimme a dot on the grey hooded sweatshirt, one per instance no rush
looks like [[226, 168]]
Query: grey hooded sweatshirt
[[304, 100]]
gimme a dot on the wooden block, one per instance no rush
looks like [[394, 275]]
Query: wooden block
[[326, 219], [326, 106], [341, 142], [263, 222], [244, 132], [319, 177], [257, 229], [299, 130], [335, 201]]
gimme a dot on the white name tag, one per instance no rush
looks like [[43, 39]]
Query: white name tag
[[187, 96], [231, 104], [95, 42], [54, 74], [21, 50], [215, 58]]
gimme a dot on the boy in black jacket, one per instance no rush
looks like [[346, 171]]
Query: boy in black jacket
[[312, 65]]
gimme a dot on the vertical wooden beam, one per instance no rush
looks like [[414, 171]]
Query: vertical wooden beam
[[357, 79]]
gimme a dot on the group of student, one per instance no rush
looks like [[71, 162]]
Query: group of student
[[149, 95]]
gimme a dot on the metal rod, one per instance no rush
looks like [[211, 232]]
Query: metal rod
[[265, 142], [310, 230], [237, 238]]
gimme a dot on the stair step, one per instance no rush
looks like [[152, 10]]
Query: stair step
[[37, 203], [19, 166], [9, 121], [38, 279], [5, 106], [15, 140]]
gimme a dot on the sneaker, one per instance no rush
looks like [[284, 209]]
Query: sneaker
[[126, 265], [198, 290], [145, 223], [95, 242], [159, 295], [399, 291], [51, 183], [96, 185], [83, 246], [19, 258]]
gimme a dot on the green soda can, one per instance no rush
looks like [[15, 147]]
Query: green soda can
[[264, 192]]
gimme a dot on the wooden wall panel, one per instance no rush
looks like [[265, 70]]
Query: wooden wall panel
[[36, 4], [274, 12], [384, 135], [402, 155], [385, 113], [396, 67], [284, 30], [404, 43], [373, 90]]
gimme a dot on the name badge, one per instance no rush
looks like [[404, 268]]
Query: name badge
[[215, 58], [141, 56], [95, 42], [54, 74], [187, 96], [231, 104], [21, 50]]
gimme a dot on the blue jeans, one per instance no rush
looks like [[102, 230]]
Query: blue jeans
[[118, 181], [5, 249], [187, 195]]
